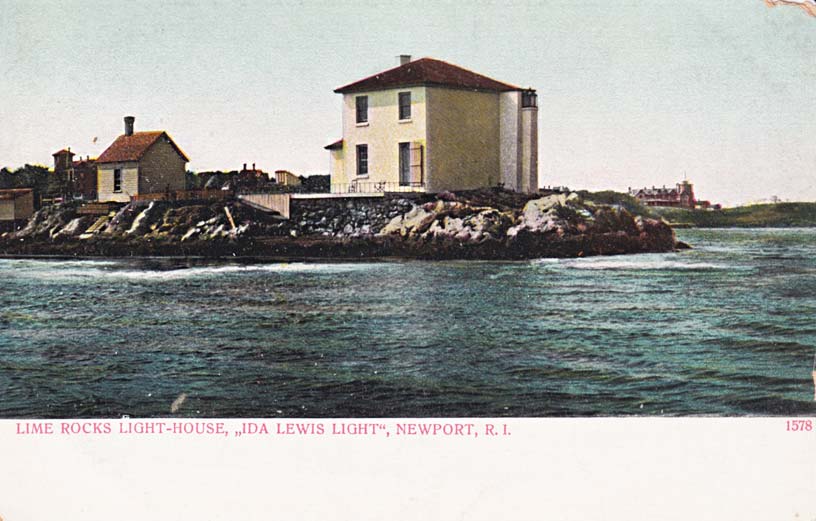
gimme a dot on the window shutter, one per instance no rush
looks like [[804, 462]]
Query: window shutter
[[416, 163]]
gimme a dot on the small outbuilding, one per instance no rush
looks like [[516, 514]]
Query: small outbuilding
[[16, 205], [139, 163], [286, 178]]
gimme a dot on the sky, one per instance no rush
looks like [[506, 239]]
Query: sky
[[631, 93]]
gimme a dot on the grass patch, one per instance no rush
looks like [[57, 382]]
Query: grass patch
[[779, 215]]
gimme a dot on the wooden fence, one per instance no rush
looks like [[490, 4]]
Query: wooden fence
[[184, 195]]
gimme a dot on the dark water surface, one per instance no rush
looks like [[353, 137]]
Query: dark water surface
[[725, 329]]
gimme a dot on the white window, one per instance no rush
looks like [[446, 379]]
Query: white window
[[117, 180], [405, 105], [362, 108], [362, 160]]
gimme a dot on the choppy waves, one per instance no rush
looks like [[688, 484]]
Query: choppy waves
[[645, 262], [57, 270], [723, 329]]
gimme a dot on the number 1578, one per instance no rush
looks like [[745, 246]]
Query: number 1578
[[799, 425]]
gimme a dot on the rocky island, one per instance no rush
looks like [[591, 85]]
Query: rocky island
[[492, 224]]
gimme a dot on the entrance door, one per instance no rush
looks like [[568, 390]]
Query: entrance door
[[405, 164]]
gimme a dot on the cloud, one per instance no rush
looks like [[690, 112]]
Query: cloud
[[808, 5]]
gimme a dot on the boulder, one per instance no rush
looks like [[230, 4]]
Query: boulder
[[191, 233], [121, 221], [75, 227], [416, 221], [542, 215], [140, 223], [615, 218], [47, 221], [446, 196], [543, 222]]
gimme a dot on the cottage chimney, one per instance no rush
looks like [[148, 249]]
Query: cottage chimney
[[244, 169], [129, 125], [253, 167], [404, 58]]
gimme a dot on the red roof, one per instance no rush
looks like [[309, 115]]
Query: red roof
[[14, 193], [63, 151], [427, 71], [83, 162], [133, 147]]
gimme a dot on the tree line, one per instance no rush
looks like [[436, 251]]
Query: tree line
[[36, 177]]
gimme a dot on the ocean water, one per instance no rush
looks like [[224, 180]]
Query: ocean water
[[727, 328]]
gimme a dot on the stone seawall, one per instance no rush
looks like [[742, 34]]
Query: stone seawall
[[351, 217]]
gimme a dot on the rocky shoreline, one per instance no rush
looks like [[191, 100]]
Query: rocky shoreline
[[478, 225]]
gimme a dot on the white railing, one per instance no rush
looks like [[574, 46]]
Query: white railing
[[374, 187]]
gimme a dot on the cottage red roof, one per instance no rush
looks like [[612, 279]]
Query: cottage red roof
[[427, 71], [14, 193], [133, 147], [63, 151]]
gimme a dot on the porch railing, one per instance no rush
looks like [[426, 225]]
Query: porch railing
[[374, 187]]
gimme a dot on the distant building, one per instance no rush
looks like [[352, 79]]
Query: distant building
[[682, 195], [248, 178], [77, 178], [140, 163], [253, 173], [63, 160], [16, 205], [428, 125], [286, 178]]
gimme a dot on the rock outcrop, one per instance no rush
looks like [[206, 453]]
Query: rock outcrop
[[444, 219], [484, 224], [557, 225]]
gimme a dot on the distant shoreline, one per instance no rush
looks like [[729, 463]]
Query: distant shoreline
[[772, 215], [765, 215]]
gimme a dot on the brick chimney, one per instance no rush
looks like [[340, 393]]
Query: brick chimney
[[129, 125], [404, 58]]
